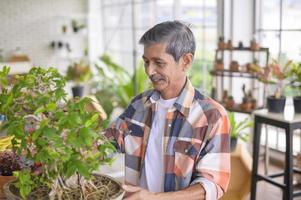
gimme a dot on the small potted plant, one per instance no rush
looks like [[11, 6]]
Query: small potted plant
[[276, 75], [9, 163], [247, 100], [59, 136], [221, 43], [254, 46], [230, 45], [230, 102], [78, 72], [234, 66], [295, 75], [219, 65], [237, 130]]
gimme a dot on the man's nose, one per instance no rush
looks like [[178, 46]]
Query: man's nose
[[150, 69]]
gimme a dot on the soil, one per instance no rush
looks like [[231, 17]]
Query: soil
[[106, 189]]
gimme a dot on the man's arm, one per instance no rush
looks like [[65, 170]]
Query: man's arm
[[213, 166], [194, 192]]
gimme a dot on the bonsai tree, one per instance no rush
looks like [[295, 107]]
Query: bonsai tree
[[57, 135], [78, 72], [237, 129]]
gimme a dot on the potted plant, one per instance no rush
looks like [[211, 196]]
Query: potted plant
[[230, 103], [9, 162], [234, 66], [219, 65], [237, 130], [295, 75], [114, 86], [221, 43], [60, 137], [275, 74], [247, 99], [78, 72]]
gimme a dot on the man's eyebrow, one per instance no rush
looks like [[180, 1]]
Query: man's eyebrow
[[154, 58]]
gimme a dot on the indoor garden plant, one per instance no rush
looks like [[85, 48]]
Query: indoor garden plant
[[59, 136], [78, 72], [237, 129], [114, 86], [9, 162], [295, 75], [275, 74]]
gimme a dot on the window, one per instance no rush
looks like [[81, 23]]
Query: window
[[279, 27], [119, 33]]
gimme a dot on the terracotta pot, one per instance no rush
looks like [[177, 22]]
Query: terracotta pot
[[117, 196], [246, 106], [3, 181]]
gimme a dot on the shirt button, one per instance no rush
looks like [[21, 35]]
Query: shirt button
[[169, 125]]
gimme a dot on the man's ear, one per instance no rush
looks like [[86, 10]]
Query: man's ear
[[187, 60]]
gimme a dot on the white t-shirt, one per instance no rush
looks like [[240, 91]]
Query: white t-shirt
[[152, 176]]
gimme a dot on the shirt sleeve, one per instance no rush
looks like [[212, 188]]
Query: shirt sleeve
[[213, 164], [210, 188], [117, 130]]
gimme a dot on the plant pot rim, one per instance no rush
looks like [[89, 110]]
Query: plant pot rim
[[120, 193], [273, 97]]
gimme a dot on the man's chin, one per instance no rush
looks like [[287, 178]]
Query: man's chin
[[158, 87]]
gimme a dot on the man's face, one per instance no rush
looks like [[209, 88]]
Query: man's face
[[162, 69]]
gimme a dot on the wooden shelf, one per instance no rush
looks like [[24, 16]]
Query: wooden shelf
[[228, 73], [237, 108]]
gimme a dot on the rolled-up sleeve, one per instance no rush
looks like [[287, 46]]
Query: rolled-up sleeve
[[212, 169]]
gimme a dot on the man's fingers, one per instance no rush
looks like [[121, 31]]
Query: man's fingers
[[129, 188]]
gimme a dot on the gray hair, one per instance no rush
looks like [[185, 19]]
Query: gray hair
[[177, 35]]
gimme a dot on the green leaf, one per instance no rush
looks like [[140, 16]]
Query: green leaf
[[91, 121], [36, 134], [82, 169], [51, 107], [84, 134], [40, 110]]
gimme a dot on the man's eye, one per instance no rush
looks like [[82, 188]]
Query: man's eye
[[146, 63], [160, 64]]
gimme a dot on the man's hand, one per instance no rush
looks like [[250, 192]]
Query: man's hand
[[137, 193], [194, 192]]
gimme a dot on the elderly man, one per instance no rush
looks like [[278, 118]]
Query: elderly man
[[175, 139]]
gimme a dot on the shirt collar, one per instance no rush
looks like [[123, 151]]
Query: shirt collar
[[183, 102]]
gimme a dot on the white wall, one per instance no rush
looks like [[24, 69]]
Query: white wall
[[32, 24]]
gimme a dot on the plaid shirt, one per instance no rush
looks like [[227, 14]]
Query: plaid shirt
[[196, 139]]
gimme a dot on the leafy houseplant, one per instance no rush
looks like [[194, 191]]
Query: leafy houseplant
[[114, 86], [275, 74], [58, 136], [9, 162], [237, 129], [295, 74], [78, 72]]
